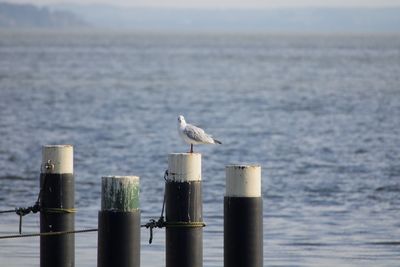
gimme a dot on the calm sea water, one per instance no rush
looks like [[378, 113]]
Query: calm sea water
[[321, 114]]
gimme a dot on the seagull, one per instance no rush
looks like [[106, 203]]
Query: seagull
[[194, 135]]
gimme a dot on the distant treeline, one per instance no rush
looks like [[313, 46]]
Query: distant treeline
[[30, 16], [273, 19], [326, 20]]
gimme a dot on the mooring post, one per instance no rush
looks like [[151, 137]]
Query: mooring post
[[57, 199], [119, 222], [243, 223], [184, 211]]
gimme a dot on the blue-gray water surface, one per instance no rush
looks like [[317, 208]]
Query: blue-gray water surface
[[320, 113]]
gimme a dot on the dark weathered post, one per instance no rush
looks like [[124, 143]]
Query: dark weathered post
[[57, 206], [119, 222], [184, 211], [243, 223]]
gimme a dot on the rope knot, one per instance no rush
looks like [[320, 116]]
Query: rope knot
[[160, 223]]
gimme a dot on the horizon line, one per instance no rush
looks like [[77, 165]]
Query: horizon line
[[203, 7]]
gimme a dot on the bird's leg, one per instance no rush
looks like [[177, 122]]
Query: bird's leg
[[191, 148]]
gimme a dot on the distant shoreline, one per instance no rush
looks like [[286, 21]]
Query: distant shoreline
[[161, 32], [274, 20]]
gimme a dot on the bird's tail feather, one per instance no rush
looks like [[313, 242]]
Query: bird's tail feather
[[217, 142]]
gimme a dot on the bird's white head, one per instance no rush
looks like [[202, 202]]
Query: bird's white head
[[181, 119]]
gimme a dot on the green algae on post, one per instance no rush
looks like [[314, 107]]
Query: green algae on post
[[120, 193]]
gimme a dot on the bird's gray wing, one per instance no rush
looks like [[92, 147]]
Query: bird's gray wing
[[195, 133]]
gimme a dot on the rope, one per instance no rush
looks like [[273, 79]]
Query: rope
[[160, 223], [48, 233], [58, 210], [37, 207], [154, 224], [7, 211], [184, 224]]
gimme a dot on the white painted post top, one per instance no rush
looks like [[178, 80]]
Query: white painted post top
[[57, 159], [184, 167], [243, 181]]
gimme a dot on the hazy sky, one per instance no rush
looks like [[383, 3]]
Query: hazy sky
[[226, 3]]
